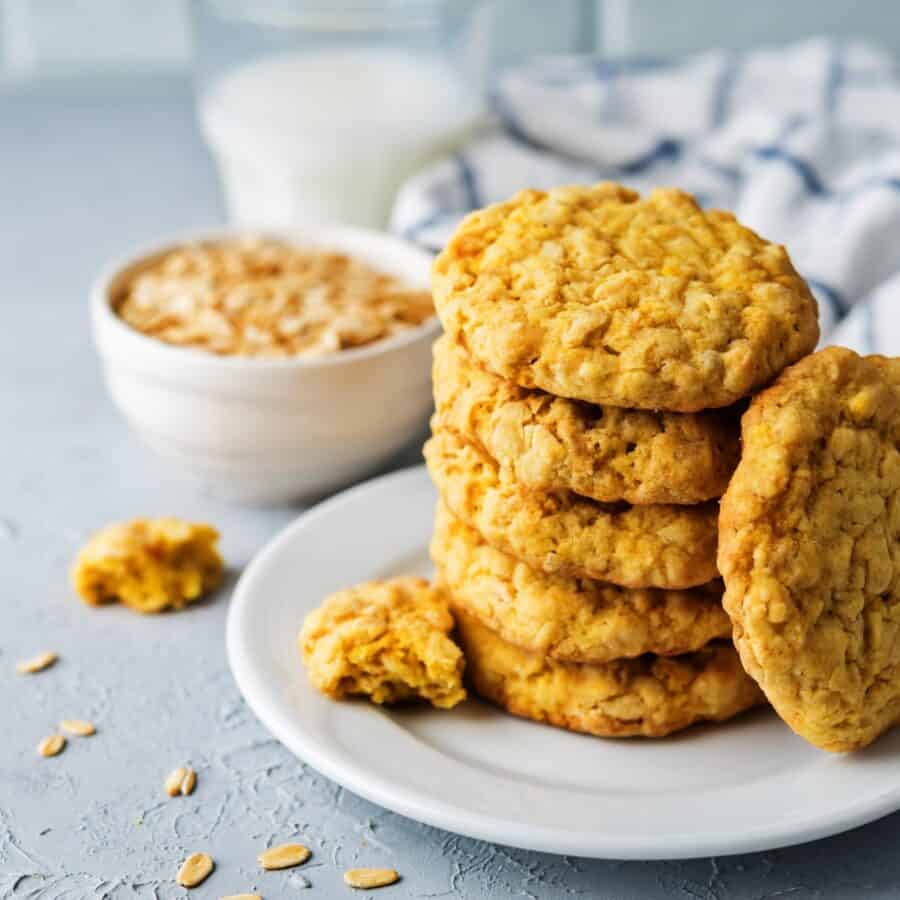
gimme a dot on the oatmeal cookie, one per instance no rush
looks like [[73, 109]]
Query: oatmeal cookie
[[571, 619], [633, 546], [810, 547], [149, 565], [606, 453], [389, 640], [650, 696], [596, 294]]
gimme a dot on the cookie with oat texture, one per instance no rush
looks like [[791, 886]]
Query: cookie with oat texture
[[602, 452], [597, 294], [810, 547], [388, 640], [570, 619], [561, 533], [650, 696]]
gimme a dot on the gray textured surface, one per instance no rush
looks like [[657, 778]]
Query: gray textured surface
[[86, 171]]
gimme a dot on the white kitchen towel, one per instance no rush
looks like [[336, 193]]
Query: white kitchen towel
[[801, 142]]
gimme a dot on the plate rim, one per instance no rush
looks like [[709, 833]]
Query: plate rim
[[397, 798]]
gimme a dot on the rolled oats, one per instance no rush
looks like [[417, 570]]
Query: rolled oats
[[260, 297], [189, 782], [366, 879], [52, 745], [174, 781], [285, 856], [78, 727], [36, 663], [195, 870]]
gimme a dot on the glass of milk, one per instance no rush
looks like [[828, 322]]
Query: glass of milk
[[317, 111]]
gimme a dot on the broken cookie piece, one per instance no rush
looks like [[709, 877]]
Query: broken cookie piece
[[388, 640], [150, 565]]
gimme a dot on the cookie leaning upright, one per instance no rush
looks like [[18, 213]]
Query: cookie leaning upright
[[595, 294], [810, 547]]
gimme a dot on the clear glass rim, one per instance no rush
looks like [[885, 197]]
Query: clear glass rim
[[340, 15]]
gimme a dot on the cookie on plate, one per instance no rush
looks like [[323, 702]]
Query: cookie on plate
[[633, 546], [603, 452], [388, 640], [651, 696], [810, 547], [570, 619], [597, 294]]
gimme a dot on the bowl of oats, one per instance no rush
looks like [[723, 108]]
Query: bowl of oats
[[272, 367]]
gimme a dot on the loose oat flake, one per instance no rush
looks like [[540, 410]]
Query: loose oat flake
[[52, 745], [242, 897], [285, 856], [78, 727], [174, 781], [37, 663], [195, 870], [188, 782], [370, 878]]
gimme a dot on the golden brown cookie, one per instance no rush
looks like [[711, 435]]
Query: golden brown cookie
[[388, 640], [633, 546], [650, 696], [596, 294], [149, 565], [571, 619], [606, 453], [810, 547]]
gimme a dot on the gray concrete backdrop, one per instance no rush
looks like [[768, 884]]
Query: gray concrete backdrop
[[86, 170]]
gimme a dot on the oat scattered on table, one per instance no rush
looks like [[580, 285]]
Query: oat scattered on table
[[366, 879], [188, 783], [174, 780], [52, 745], [37, 663], [78, 727], [284, 856], [195, 870], [181, 781]]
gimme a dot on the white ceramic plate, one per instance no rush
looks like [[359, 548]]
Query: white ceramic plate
[[743, 786]]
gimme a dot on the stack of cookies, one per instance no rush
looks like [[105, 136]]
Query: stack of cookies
[[587, 394]]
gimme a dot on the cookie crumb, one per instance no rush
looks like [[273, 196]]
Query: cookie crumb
[[149, 565]]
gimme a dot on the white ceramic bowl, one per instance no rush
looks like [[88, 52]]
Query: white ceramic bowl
[[271, 431]]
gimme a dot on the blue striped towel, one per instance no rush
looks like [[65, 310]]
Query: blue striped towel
[[801, 142]]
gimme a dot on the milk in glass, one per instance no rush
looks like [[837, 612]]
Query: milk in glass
[[329, 136]]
